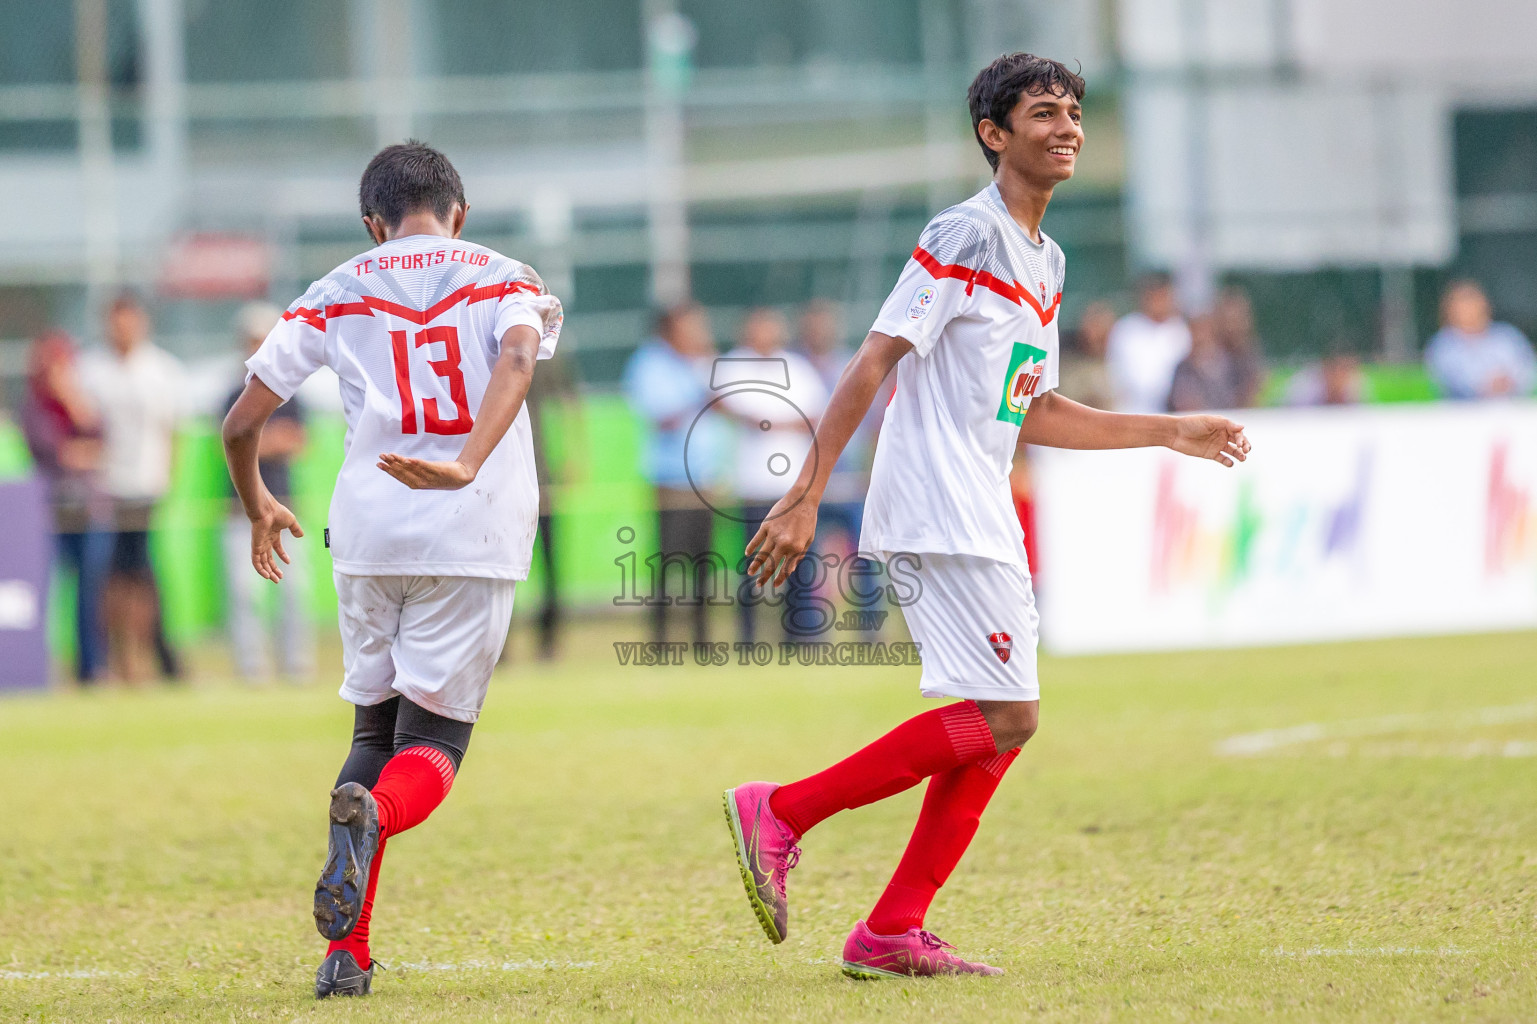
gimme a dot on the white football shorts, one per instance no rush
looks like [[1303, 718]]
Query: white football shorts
[[975, 624], [432, 639]]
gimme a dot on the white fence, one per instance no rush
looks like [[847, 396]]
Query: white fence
[[1345, 523]]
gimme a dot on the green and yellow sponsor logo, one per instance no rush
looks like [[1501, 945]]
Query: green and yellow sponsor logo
[[1027, 364]]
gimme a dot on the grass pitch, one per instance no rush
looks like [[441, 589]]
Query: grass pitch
[[1314, 834]]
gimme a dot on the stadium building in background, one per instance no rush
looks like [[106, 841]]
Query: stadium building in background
[[1341, 157]]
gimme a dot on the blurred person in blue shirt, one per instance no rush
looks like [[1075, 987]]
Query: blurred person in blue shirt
[[819, 337], [667, 382], [1472, 356]]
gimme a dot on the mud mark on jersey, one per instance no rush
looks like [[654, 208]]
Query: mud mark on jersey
[[1027, 364]]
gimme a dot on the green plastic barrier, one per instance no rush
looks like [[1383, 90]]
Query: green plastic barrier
[[1399, 383], [603, 492], [14, 460], [1385, 383]]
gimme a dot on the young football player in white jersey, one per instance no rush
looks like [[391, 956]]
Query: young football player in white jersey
[[972, 329], [432, 520]]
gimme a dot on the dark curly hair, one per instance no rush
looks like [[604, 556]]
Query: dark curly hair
[[996, 90], [408, 177]]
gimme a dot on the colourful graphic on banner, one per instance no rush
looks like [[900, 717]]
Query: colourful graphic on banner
[[1191, 551], [1510, 529]]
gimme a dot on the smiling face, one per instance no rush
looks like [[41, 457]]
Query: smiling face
[[1042, 141]]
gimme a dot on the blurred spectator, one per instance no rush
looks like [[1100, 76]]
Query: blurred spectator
[[551, 393], [667, 382], [820, 340], [774, 436], [137, 387], [1144, 348], [1336, 379], [1233, 320], [63, 432], [1472, 355], [282, 439], [1204, 378], [1221, 371], [1085, 377]]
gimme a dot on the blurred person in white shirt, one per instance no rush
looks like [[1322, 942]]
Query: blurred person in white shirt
[[777, 397], [283, 438], [1145, 347], [1473, 356], [139, 389]]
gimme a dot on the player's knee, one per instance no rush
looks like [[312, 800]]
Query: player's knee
[[1012, 722], [1020, 733]]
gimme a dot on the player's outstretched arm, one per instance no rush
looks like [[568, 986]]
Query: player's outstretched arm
[[1058, 422], [242, 444], [510, 377], [785, 536]]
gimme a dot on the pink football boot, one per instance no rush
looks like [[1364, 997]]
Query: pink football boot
[[913, 954], [765, 853]]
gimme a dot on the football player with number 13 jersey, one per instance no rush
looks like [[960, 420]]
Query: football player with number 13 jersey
[[432, 522]]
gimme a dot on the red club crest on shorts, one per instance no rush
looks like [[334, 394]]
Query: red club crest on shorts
[[1002, 644]]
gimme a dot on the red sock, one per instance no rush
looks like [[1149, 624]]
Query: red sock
[[952, 808], [410, 787], [932, 742], [356, 941]]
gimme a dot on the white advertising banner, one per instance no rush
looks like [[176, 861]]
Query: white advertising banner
[[1344, 523]]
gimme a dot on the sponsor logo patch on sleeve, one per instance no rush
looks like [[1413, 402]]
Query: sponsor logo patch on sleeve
[[923, 301]]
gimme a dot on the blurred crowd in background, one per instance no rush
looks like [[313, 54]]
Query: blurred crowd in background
[[726, 427]]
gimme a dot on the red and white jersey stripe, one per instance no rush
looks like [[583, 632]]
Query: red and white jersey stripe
[[413, 329], [978, 301]]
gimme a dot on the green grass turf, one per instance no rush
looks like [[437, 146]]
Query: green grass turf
[[158, 849]]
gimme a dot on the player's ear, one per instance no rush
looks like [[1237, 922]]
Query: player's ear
[[374, 225], [993, 136], [456, 217]]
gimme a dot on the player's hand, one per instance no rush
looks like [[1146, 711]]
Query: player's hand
[[421, 475], [267, 538], [783, 539], [1210, 437]]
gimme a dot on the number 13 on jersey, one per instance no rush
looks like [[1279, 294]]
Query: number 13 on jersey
[[447, 368]]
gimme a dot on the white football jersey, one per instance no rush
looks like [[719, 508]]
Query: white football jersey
[[978, 301], [413, 329]]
